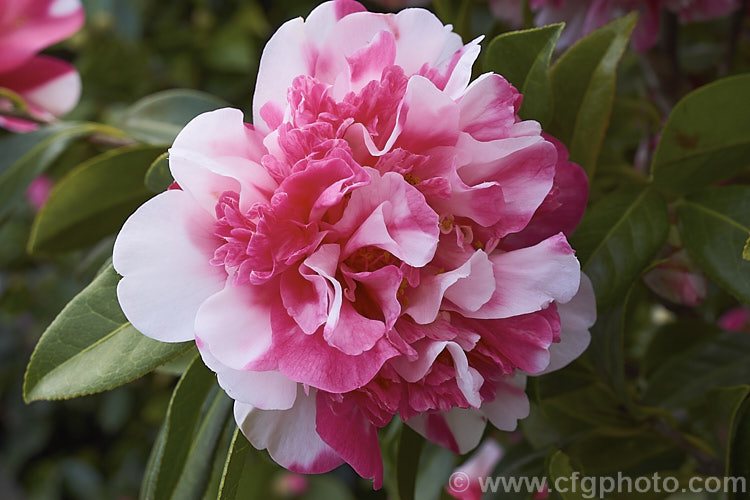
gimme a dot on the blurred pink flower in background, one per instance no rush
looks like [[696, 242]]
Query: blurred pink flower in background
[[736, 320], [678, 279], [38, 191], [466, 481], [385, 239], [584, 16], [291, 484], [49, 86]]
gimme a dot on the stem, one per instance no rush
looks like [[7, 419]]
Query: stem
[[22, 115]]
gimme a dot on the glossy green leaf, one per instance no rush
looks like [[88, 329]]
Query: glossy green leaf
[[233, 467], [583, 88], [91, 347], [26, 156], [617, 239], [158, 177], [715, 225], [523, 57], [182, 430], [220, 454], [684, 380], [158, 118], [409, 450], [196, 470], [706, 138], [93, 200]]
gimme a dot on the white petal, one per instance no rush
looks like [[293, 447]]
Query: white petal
[[163, 254], [288, 435]]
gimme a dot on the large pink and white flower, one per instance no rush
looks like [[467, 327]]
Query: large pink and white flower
[[49, 86], [385, 239]]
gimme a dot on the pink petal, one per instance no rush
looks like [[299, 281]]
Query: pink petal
[[310, 360], [431, 117], [524, 340], [30, 26], [469, 381], [563, 207], [523, 166], [367, 62], [235, 323], [289, 435], [163, 253], [382, 287], [354, 333], [305, 296], [45, 82], [489, 107], [217, 152], [530, 278], [410, 28], [346, 430], [459, 429], [294, 50], [469, 287], [390, 214], [268, 390]]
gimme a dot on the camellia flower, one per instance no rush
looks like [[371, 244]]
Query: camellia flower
[[385, 239], [584, 16], [49, 86]]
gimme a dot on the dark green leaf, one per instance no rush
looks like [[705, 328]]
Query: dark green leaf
[[91, 347], [522, 57], [617, 239], [26, 156], [561, 473], [158, 118], [738, 462], [181, 431], [714, 225], [158, 177], [684, 380], [583, 89], [706, 138], [197, 466], [211, 492], [93, 200], [674, 338], [717, 414], [409, 450], [233, 467]]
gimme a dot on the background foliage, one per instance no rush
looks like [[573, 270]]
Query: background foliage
[[661, 388]]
